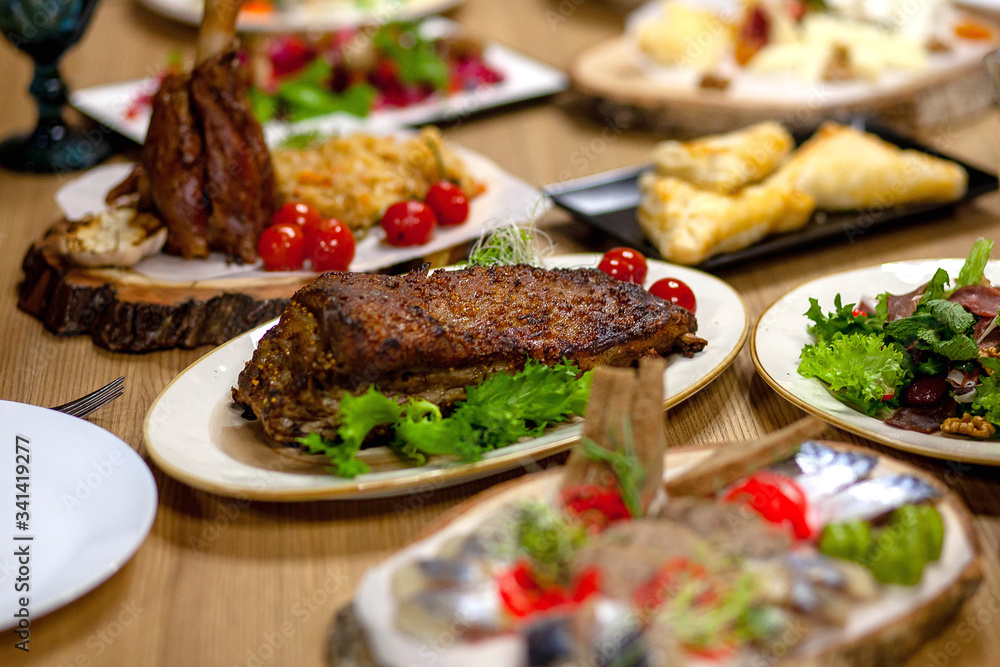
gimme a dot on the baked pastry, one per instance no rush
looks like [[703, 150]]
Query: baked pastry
[[726, 162], [688, 225], [843, 169]]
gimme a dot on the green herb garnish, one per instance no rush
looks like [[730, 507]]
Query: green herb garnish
[[972, 271], [550, 539], [626, 466], [415, 56], [498, 412]]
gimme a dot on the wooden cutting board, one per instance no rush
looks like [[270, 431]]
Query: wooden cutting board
[[617, 88], [891, 642], [125, 311]]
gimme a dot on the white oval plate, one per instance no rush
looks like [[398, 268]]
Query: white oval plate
[[310, 15], [195, 433], [781, 332], [91, 501]]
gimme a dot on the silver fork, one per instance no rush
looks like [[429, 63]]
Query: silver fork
[[86, 404]]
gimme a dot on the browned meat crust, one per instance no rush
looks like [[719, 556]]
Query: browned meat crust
[[174, 169], [205, 169], [431, 335]]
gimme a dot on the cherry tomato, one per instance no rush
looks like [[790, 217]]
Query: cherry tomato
[[330, 246], [448, 202], [674, 291], [282, 247], [618, 269], [297, 213], [633, 257], [775, 497], [408, 223]]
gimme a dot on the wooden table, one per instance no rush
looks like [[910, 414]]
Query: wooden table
[[224, 582]]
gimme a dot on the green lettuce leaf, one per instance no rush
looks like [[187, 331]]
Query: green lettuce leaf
[[496, 413], [861, 370], [987, 401], [975, 264]]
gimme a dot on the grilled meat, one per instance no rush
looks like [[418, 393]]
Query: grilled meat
[[429, 335], [205, 169]]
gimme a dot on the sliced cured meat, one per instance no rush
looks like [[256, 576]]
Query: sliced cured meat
[[978, 299]]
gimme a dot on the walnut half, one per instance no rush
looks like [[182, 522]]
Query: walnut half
[[974, 427]]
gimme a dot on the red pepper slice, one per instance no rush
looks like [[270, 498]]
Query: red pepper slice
[[775, 497], [524, 596], [596, 506]]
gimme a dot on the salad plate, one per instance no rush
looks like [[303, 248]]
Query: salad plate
[[89, 502], [301, 15], [115, 105], [196, 434], [782, 331]]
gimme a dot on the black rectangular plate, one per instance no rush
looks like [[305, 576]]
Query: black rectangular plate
[[608, 202]]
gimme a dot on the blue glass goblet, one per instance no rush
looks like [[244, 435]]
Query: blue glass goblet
[[44, 29]]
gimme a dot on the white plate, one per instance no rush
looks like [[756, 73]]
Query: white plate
[[781, 332], [91, 503], [524, 79], [196, 434], [506, 199], [309, 15]]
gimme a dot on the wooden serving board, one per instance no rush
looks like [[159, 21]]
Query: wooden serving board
[[616, 88], [125, 311], [886, 643]]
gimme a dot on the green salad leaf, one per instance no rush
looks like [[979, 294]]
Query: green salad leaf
[[841, 322], [342, 459], [987, 403], [953, 315], [938, 326], [307, 95], [935, 287], [416, 56], [860, 369], [972, 271], [500, 411]]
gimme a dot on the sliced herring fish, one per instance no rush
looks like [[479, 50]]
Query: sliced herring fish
[[463, 612], [872, 498], [822, 471]]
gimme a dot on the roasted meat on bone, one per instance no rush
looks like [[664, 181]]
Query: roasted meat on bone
[[205, 169]]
